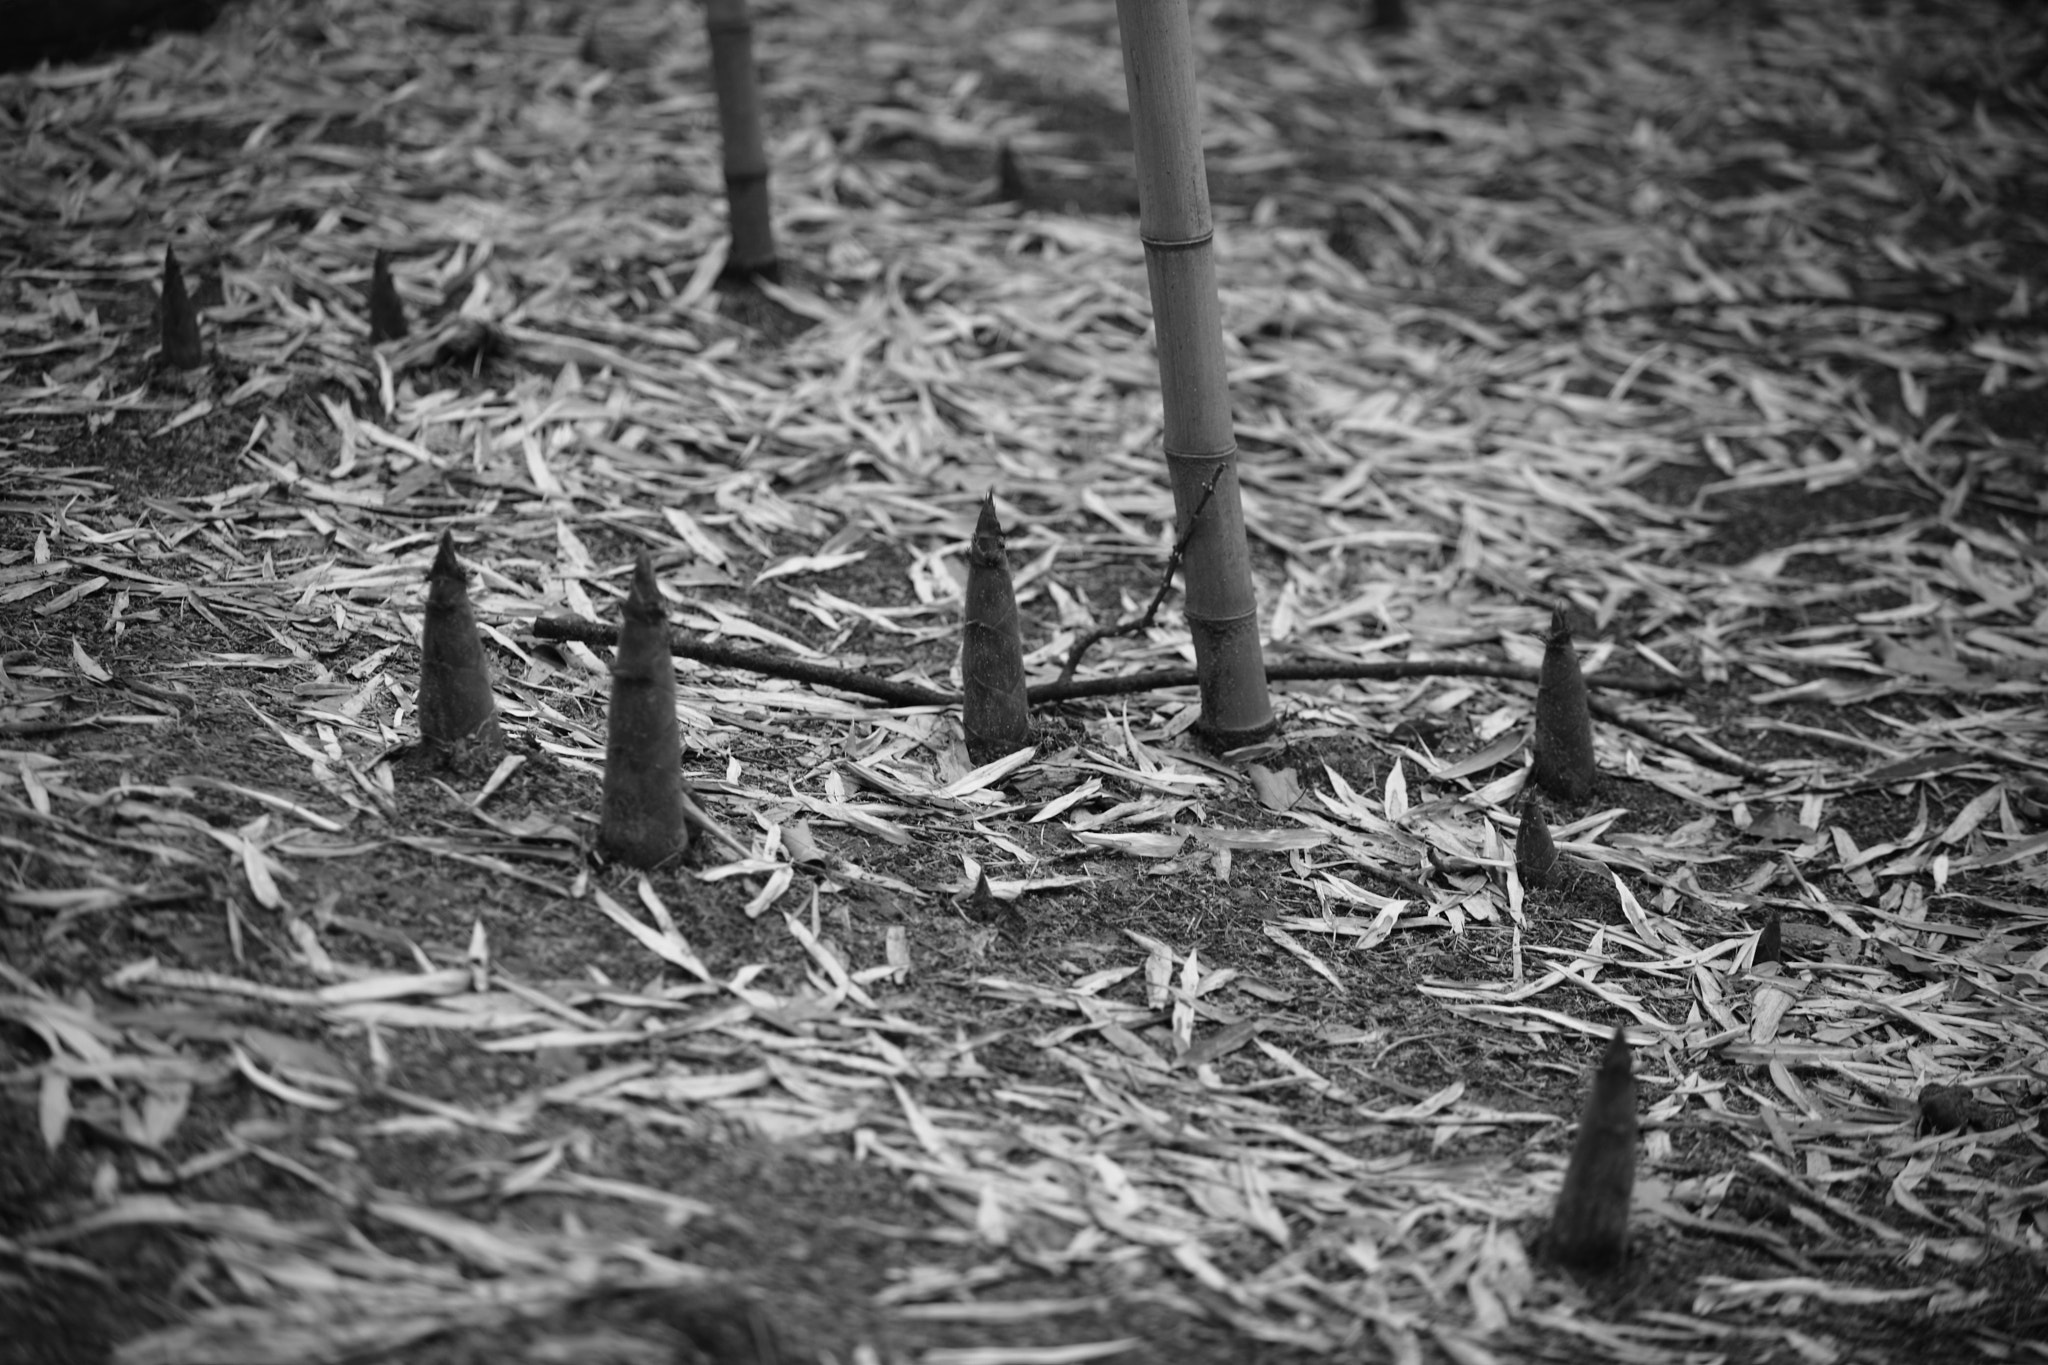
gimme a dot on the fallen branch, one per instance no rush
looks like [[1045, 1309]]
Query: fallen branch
[[896, 693], [774, 665], [764, 662], [1718, 759], [1378, 670]]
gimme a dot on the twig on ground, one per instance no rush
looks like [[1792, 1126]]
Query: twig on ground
[[1145, 618], [1376, 670], [1074, 689], [773, 665], [701, 819], [757, 661], [1716, 759]]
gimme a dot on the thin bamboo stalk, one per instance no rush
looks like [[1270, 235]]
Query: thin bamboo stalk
[[739, 122], [1180, 262]]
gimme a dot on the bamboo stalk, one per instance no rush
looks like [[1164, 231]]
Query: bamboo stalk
[[739, 122], [1201, 447]]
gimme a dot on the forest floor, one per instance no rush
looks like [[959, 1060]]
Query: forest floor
[[1721, 324]]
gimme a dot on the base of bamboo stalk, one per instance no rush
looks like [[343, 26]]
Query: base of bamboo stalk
[[73, 30]]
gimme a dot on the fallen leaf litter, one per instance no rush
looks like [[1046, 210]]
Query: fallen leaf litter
[[1421, 466]]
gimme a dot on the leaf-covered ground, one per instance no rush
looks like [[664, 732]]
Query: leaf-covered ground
[[1720, 323]]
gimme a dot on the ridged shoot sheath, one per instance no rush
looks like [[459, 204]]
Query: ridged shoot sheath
[[458, 713], [178, 319], [642, 823], [739, 122], [1589, 1230], [993, 711], [1535, 850], [387, 310], [1770, 943], [1564, 725]]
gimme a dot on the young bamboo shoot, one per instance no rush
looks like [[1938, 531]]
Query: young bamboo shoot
[[387, 310], [993, 710], [1535, 850], [178, 320], [643, 822], [458, 713], [1589, 1230], [1564, 724]]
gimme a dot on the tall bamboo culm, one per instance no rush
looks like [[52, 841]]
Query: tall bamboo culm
[[739, 123], [1201, 445]]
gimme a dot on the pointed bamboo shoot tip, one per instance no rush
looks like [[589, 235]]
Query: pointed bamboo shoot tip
[[987, 545], [446, 565], [643, 602]]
